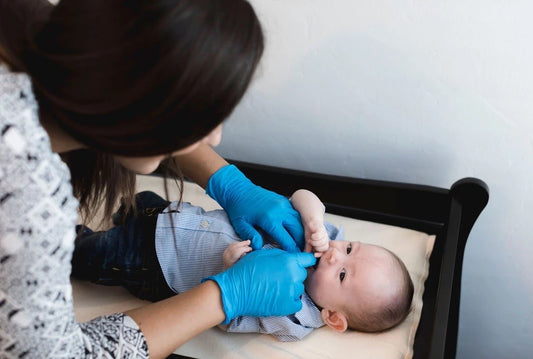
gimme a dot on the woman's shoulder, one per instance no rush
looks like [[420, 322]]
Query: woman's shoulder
[[20, 129], [29, 170], [9, 74], [16, 94]]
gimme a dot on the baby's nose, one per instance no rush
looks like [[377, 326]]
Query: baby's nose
[[332, 255]]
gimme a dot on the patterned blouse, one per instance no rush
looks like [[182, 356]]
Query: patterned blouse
[[37, 222]]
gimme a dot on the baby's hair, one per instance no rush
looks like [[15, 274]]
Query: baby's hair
[[390, 315]]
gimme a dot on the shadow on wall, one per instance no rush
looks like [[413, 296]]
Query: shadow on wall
[[350, 106]]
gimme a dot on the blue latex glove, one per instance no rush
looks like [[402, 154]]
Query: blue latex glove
[[249, 205], [267, 282]]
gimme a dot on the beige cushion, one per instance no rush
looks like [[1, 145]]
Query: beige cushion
[[413, 247]]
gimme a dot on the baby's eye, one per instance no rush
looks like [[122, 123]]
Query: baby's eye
[[349, 248], [343, 274]]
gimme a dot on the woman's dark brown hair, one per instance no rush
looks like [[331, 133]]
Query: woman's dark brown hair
[[137, 78]]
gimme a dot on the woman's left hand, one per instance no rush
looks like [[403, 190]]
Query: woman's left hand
[[250, 206]]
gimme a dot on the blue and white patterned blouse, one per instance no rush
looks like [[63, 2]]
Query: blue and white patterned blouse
[[37, 220]]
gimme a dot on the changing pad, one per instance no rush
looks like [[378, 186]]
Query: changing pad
[[413, 247]]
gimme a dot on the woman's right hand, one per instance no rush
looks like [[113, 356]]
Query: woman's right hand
[[267, 282]]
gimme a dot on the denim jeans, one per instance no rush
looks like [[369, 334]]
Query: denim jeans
[[125, 254]]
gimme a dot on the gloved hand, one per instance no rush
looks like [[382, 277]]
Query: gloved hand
[[249, 205], [267, 282]]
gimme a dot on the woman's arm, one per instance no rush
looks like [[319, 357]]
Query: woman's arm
[[168, 324], [248, 206], [262, 283], [200, 164]]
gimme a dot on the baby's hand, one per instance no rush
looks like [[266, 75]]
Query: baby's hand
[[234, 252], [316, 238]]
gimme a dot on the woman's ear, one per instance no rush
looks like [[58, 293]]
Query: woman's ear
[[334, 320]]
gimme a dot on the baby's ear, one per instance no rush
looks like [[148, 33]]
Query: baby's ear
[[334, 320]]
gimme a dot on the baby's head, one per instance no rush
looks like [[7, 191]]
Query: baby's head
[[360, 286]]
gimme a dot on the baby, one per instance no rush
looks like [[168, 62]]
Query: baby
[[167, 248]]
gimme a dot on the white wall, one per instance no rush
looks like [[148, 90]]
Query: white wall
[[414, 91]]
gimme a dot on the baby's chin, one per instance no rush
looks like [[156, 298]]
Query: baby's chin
[[309, 288]]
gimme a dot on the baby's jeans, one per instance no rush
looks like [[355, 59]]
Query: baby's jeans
[[125, 254]]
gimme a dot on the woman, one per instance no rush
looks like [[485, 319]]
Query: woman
[[111, 88]]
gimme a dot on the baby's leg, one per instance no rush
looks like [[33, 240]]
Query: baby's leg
[[125, 254], [148, 204]]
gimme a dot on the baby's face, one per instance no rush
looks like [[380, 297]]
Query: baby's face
[[352, 275]]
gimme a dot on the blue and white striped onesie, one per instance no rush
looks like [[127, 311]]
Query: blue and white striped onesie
[[189, 247]]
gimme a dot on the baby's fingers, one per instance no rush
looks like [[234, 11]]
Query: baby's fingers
[[245, 243], [320, 243], [322, 247], [319, 235], [242, 248], [246, 250], [318, 254]]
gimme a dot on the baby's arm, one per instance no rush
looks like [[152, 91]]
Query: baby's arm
[[311, 211], [234, 252]]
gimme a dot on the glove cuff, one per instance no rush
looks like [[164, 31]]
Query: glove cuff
[[226, 305], [224, 182]]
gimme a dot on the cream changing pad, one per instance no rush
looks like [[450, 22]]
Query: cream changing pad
[[413, 247]]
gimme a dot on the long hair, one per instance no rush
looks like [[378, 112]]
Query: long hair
[[139, 78]]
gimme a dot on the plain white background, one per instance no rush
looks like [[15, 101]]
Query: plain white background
[[413, 91]]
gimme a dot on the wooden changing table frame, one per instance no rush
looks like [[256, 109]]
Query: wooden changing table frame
[[447, 213]]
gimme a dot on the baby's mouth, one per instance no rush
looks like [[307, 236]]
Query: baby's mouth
[[316, 263]]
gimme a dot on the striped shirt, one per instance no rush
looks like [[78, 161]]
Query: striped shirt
[[189, 247]]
